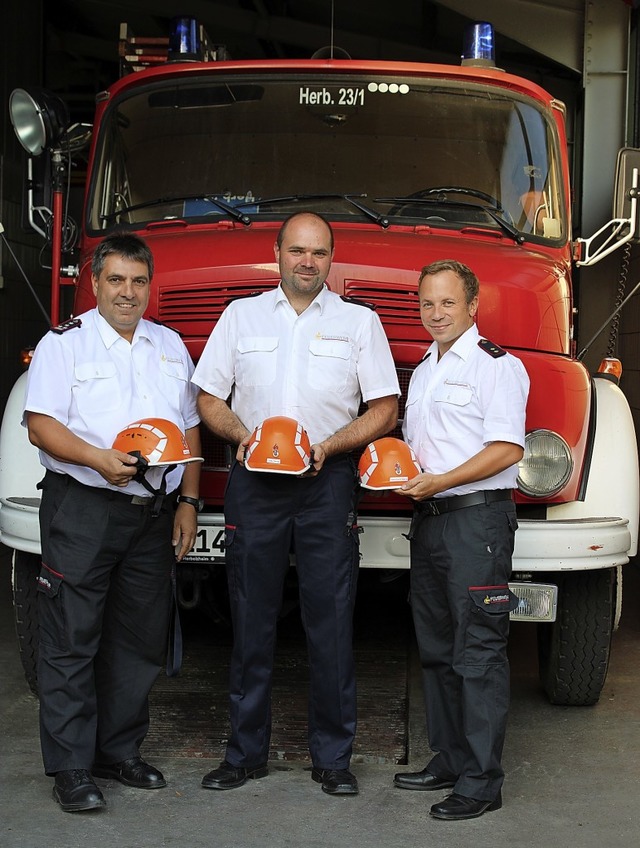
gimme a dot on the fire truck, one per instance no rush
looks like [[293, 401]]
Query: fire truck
[[205, 156]]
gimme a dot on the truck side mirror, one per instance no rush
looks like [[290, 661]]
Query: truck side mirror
[[628, 160]]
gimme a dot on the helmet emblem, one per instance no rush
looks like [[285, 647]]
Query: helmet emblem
[[398, 469], [275, 450]]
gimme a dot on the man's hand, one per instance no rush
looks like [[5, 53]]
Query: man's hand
[[421, 487], [117, 467], [242, 447], [185, 527]]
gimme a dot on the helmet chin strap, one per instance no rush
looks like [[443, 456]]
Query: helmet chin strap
[[158, 494]]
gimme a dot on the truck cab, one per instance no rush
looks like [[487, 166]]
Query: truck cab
[[411, 163]]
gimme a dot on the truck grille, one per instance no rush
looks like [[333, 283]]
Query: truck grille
[[397, 307], [195, 310]]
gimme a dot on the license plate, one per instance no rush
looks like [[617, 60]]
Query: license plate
[[208, 547]]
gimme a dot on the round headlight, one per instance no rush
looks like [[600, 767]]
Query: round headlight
[[546, 465]]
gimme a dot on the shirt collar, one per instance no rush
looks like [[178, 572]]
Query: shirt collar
[[319, 300], [463, 346], [110, 336]]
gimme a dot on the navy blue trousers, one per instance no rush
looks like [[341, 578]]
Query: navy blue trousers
[[103, 606], [460, 567], [266, 516]]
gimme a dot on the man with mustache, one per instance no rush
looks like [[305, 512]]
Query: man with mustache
[[108, 545]]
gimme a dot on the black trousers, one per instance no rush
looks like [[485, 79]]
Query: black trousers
[[103, 604], [460, 566], [266, 515]]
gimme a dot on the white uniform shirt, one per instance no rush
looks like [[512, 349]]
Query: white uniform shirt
[[460, 404], [313, 367], [96, 383]]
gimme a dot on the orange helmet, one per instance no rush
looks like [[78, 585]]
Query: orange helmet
[[280, 445], [387, 464], [158, 441]]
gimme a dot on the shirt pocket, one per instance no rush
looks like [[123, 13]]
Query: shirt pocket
[[257, 360], [174, 380], [329, 364], [457, 394], [97, 387]]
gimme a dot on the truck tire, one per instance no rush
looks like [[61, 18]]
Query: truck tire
[[26, 568], [573, 651]]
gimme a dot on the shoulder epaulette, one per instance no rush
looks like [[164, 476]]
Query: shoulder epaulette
[[491, 348], [168, 326], [69, 324], [357, 302]]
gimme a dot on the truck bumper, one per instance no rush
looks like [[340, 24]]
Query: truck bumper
[[19, 527], [541, 546]]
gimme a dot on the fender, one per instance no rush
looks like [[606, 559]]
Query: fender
[[20, 472]]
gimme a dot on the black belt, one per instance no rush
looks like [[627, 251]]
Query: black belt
[[438, 506], [110, 494]]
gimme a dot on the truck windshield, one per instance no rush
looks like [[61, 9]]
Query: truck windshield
[[408, 151]]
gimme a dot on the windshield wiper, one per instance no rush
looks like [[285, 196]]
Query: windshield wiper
[[382, 220], [233, 211], [508, 228]]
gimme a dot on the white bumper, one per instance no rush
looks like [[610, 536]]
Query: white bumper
[[573, 545]]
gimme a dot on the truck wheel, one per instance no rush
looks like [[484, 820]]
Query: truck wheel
[[26, 568], [573, 651]]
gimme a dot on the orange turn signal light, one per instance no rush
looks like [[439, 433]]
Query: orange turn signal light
[[26, 355], [612, 366]]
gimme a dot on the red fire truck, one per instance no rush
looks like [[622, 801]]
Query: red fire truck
[[205, 156]]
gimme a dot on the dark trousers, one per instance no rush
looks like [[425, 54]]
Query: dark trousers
[[103, 604], [460, 565], [266, 515]]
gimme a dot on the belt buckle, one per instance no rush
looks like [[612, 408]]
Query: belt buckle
[[139, 500], [432, 507]]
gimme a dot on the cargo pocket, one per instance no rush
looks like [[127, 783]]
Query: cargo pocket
[[493, 599], [49, 582], [51, 617]]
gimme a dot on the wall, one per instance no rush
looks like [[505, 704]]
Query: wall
[[21, 321]]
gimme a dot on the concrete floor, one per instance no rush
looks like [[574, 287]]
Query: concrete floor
[[573, 777]]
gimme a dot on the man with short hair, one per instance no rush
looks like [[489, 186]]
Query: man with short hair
[[300, 351], [464, 419], [107, 543]]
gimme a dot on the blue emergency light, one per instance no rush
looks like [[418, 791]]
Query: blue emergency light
[[184, 40], [478, 45]]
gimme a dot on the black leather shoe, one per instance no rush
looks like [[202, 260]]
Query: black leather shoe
[[75, 791], [336, 781], [131, 772], [422, 780], [227, 776], [457, 807]]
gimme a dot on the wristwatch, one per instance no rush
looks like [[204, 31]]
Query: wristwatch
[[196, 503]]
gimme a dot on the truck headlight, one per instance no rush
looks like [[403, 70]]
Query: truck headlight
[[546, 465]]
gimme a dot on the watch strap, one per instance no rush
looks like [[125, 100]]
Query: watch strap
[[195, 502]]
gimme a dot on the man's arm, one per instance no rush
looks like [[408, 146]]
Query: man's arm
[[491, 460], [219, 418], [185, 524], [380, 417], [59, 442]]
